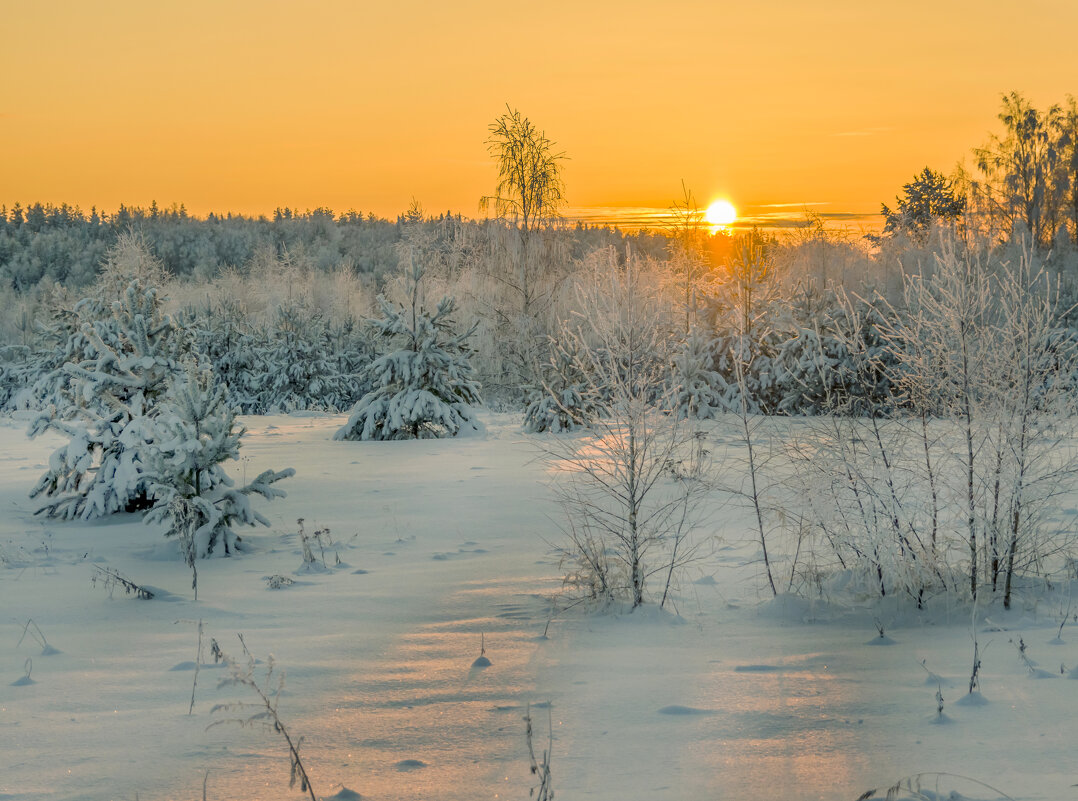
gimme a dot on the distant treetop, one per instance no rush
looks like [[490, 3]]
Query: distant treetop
[[929, 198]]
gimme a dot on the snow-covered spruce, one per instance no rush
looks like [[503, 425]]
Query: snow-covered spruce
[[697, 385], [146, 429], [424, 386], [196, 431], [299, 367], [226, 338], [296, 360], [18, 371], [565, 402], [66, 336], [104, 401]]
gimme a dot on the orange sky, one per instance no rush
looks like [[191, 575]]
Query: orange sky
[[244, 106]]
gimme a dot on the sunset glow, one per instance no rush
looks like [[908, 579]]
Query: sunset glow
[[721, 213], [244, 106]]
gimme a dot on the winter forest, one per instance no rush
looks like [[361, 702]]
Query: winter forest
[[527, 508]]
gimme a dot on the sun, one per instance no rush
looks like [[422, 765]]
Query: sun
[[721, 212]]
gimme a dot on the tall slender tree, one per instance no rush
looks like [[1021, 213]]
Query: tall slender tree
[[530, 188], [1022, 169]]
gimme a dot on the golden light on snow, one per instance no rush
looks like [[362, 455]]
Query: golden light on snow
[[721, 213]]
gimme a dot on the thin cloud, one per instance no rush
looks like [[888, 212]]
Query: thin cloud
[[785, 216], [794, 205]]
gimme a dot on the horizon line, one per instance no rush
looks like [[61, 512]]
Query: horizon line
[[777, 216]]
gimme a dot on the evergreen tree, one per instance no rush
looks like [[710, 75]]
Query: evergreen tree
[[195, 432], [229, 343], [299, 370], [107, 409], [927, 199], [423, 384], [699, 388], [64, 339], [566, 401], [17, 370]]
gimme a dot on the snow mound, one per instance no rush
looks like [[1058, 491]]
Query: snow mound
[[794, 609], [344, 794], [1041, 673], [191, 665], [972, 699], [882, 640], [678, 709]]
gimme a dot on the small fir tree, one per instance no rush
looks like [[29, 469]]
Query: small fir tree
[[196, 432], [18, 370], [107, 408], [226, 338], [65, 339], [423, 384], [566, 401], [299, 368], [698, 386]]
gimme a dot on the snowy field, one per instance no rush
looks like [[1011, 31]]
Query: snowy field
[[436, 544]]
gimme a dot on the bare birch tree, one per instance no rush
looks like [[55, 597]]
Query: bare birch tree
[[529, 192]]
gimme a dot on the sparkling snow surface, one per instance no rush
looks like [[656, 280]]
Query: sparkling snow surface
[[441, 542]]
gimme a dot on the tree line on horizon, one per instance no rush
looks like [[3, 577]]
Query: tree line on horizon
[[66, 245]]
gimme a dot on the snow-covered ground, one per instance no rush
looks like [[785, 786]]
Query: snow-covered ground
[[441, 543]]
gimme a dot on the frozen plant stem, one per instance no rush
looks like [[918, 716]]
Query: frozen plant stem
[[927, 786], [320, 536], [198, 664], [974, 676], [111, 579], [1022, 648], [264, 712], [48, 650], [540, 768]]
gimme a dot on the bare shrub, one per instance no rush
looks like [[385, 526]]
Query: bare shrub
[[628, 520], [979, 422]]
